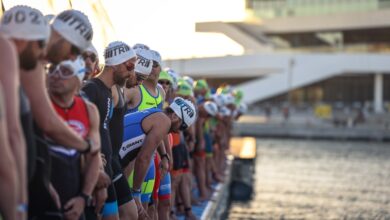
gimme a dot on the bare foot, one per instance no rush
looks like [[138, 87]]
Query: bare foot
[[218, 178], [203, 198], [194, 201], [172, 216], [190, 215], [180, 208]]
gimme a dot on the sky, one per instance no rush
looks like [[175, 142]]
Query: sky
[[167, 26]]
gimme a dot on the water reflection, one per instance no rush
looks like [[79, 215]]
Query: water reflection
[[319, 180]]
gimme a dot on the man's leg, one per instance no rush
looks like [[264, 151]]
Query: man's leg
[[110, 208], [176, 178], [128, 210], [164, 197], [185, 191], [200, 174]]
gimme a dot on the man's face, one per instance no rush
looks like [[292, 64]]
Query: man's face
[[203, 113], [59, 49], [166, 84], [61, 80], [124, 71], [175, 122], [155, 71], [34, 51], [90, 60]]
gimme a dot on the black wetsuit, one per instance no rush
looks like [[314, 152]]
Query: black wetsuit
[[99, 94], [122, 188]]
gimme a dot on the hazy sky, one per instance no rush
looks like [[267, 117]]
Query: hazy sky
[[165, 25]]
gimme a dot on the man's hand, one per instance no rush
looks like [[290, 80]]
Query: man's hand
[[142, 214], [74, 208], [191, 145], [95, 148], [164, 166], [104, 161], [99, 197], [103, 180], [55, 196]]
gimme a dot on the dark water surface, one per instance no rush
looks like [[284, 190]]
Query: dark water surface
[[298, 179]]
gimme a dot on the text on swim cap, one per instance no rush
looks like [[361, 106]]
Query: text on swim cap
[[185, 107], [115, 51], [143, 61], [72, 19], [20, 17]]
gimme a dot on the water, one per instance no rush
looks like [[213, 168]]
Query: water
[[298, 179]]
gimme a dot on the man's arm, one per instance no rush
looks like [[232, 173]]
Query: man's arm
[[115, 95], [93, 161], [199, 135], [157, 127], [45, 116], [168, 151], [8, 187], [132, 97], [10, 80]]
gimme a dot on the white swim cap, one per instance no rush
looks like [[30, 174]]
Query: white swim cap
[[190, 80], [243, 108], [229, 99], [24, 23], [144, 63], [75, 27], [156, 57], [218, 99], [224, 111], [118, 52], [92, 49], [211, 108], [141, 46], [185, 110], [175, 76]]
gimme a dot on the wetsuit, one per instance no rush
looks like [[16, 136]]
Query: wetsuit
[[149, 101], [66, 163], [133, 140], [116, 133], [99, 94]]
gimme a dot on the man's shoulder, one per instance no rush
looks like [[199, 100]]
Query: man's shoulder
[[8, 52], [6, 44], [133, 94], [90, 83]]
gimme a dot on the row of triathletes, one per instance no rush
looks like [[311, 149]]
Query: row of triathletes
[[118, 142]]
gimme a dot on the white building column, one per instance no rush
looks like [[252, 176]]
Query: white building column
[[378, 93]]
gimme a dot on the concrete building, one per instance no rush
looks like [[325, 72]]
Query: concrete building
[[305, 51]]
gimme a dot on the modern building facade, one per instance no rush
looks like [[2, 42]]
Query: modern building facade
[[305, 51]]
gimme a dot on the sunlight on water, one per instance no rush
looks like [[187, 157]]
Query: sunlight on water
[[298, 179]]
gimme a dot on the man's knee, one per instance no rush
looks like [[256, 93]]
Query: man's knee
[[128, 210], [164, 203]]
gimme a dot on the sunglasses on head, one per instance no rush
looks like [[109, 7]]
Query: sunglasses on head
[[130, 67], [164, 82], [41, 44], [63, 71], [155, 64], [90, 56], [75, 50]]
